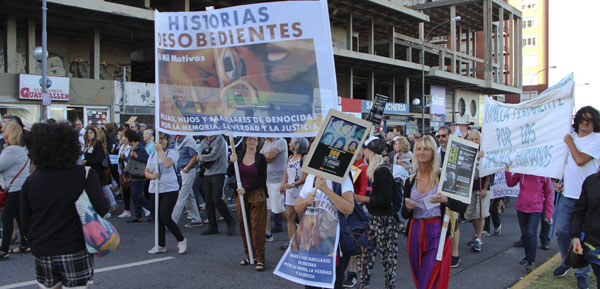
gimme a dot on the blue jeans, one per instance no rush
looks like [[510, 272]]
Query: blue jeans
[[563, 219], [138, 198], [528, 222]]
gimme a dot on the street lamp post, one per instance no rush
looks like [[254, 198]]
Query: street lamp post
[[455, 19]]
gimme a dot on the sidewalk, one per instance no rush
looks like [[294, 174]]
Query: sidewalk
[[542, 278]]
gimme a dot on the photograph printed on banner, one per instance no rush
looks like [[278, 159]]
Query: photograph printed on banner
[[269, 73], [333, 151]]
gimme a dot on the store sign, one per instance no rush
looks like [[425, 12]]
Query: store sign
[[30, 87], [438, 100], [390, 107]]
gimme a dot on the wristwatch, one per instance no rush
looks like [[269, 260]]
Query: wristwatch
[[185, 170]]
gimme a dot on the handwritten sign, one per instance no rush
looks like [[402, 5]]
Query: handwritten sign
[[500, 190], [528, 136]]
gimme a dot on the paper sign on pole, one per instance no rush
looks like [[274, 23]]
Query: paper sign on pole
[[255, 70], [500, 190], [528, 136]]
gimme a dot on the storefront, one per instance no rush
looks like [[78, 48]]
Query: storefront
[[72, 98]]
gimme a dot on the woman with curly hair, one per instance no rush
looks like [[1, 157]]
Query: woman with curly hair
[[48, 214], [14, 169]]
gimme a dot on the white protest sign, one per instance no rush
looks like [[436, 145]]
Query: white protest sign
[[500, 190], [528, 136], [264, 70]]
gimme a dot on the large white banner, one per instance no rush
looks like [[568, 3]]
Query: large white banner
[[528, 136], [263, 70]]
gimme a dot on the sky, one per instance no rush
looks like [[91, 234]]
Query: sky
[[573, 45]]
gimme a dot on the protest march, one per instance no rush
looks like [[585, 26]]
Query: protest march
[[251, 139]]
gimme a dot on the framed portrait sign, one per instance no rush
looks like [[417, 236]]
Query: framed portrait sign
[[458, 170], [333, 151]]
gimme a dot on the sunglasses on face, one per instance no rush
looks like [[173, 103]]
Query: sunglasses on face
[[586, 119], [442, 135]]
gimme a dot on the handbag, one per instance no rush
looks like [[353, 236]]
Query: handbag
[[135, 168], [575, 260], [4, 192], [100, 236]]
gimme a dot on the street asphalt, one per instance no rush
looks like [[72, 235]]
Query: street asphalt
[[213, 261]]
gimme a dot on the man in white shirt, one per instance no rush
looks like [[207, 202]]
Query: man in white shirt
[[275, 151], [582, 161], [80, 130]]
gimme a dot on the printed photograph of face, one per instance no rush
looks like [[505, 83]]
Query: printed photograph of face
[[342, 135], [278, 77], [316, 234]]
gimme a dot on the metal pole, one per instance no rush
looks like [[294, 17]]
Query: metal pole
[[44, 107]]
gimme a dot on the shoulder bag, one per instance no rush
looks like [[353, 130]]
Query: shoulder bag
[[4, 192], [100, 236]]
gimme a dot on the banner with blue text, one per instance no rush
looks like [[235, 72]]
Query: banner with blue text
[[254, 70], [528, 136]]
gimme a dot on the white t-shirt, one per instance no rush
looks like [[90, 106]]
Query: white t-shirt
[[276, 168], [168, 179], [574, 174], [308, 188]]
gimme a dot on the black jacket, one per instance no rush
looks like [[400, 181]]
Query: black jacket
[[47, 209], [380, 202], [261, 164], [586, 213], [452, 204]]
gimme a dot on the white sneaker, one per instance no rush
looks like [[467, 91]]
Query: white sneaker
[[158, 249], [146, 212], [108, 215], [125, 214], [182, 246]]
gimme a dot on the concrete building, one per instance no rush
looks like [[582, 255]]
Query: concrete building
[[105, 49]]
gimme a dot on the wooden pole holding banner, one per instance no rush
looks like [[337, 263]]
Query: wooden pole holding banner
[[446, 222], [242, 204]]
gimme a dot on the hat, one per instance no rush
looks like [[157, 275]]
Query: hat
[[375, 145]]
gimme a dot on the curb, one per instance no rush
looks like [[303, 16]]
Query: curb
[[529, 278]]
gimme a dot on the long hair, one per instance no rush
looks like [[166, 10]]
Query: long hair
[[375, 160], [579, 117], [429, 143], [89, 142], [101, 137], [13, 134]]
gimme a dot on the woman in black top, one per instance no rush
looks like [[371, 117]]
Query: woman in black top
[[585, 219], [384, 223], [253, 176], [93, 152], [48, 213]]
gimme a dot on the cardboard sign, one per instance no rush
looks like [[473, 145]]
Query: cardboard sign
[[333, 151], [458, 171], [376, 113]]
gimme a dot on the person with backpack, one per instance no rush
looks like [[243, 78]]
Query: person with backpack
[[425, 224], [341, 197], [384, 223]]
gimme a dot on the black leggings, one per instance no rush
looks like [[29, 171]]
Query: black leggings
[[166, 203], [11, 212]]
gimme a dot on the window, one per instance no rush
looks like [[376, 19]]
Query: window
[[462, 107], [529, 41], [528, 6], [529, 22], [473, 108]]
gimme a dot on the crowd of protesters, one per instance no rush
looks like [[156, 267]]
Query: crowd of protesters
[[191, 175]]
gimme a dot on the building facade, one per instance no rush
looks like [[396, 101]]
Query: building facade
[[106, 50]]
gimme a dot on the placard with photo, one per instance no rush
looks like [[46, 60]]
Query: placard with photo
[[458, 170], [333, 151]]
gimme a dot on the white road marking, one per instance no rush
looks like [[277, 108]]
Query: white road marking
[[145, 262]]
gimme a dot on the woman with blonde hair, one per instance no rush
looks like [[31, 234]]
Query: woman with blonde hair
[[425, 224], [14, 169]]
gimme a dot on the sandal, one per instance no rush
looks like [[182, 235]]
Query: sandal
[[19, 250], [245, 262], [260, 266]]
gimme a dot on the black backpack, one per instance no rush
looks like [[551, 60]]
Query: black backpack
[[397, 195], [354, 228]]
